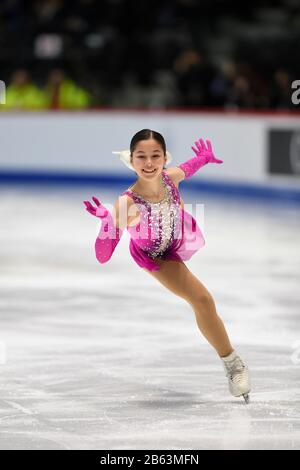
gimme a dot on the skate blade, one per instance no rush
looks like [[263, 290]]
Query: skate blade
[[246, 398]]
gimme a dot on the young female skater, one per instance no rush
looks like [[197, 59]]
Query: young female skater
[[164, 235]]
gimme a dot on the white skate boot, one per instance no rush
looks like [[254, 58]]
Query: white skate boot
[[238, 375]]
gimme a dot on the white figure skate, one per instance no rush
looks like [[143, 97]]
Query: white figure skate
[[238, 376]]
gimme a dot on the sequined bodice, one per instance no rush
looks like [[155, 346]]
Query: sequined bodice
[[160, 219]]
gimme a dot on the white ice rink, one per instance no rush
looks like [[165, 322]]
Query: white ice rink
[[104, 357]]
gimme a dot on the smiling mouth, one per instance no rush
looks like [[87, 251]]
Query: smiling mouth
[[152, 171]]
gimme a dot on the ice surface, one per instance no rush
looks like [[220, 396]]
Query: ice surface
[[103, 357]]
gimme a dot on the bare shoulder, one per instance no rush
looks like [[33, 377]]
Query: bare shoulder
[[124, 210], [124, 202], [176, 174]]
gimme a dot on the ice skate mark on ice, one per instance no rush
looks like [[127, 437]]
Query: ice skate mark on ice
[[238, 423], [21, 408], [5, 418], [30, 441]]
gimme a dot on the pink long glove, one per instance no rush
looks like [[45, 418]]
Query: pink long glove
[[204, 155], [109, 235]]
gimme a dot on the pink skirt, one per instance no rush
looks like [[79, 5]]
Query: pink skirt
[[188, 239]]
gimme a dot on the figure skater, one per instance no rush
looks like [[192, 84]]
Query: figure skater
[[163, 235]]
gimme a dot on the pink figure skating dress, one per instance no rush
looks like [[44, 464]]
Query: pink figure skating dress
[[165, 229]]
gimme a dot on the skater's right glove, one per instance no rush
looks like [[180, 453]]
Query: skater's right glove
[[109, 235]]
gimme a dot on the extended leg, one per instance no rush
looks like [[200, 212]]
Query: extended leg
[[178, 279]]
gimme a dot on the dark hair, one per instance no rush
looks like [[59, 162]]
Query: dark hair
[[146, 134]]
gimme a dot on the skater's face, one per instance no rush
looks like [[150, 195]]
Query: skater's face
[[148, 159]]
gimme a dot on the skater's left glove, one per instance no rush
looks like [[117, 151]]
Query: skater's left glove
[[204, 154]]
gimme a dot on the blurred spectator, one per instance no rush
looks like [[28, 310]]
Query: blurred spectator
[[222, 82], [240, 94], [22, 94], [134, 93], [194, 75], [150, 53], [63, 93], [280, 92], [48, 14]]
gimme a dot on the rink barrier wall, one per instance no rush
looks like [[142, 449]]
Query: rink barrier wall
[[217, 188], [261, 151]]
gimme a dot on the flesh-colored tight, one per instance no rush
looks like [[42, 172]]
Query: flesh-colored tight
[[176, 277]]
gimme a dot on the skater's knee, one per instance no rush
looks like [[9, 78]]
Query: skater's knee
[[202, 299]]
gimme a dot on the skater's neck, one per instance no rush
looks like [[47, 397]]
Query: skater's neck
[[152, 189]]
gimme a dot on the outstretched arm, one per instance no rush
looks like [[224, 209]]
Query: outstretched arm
[[204, 154], [111, 229]]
